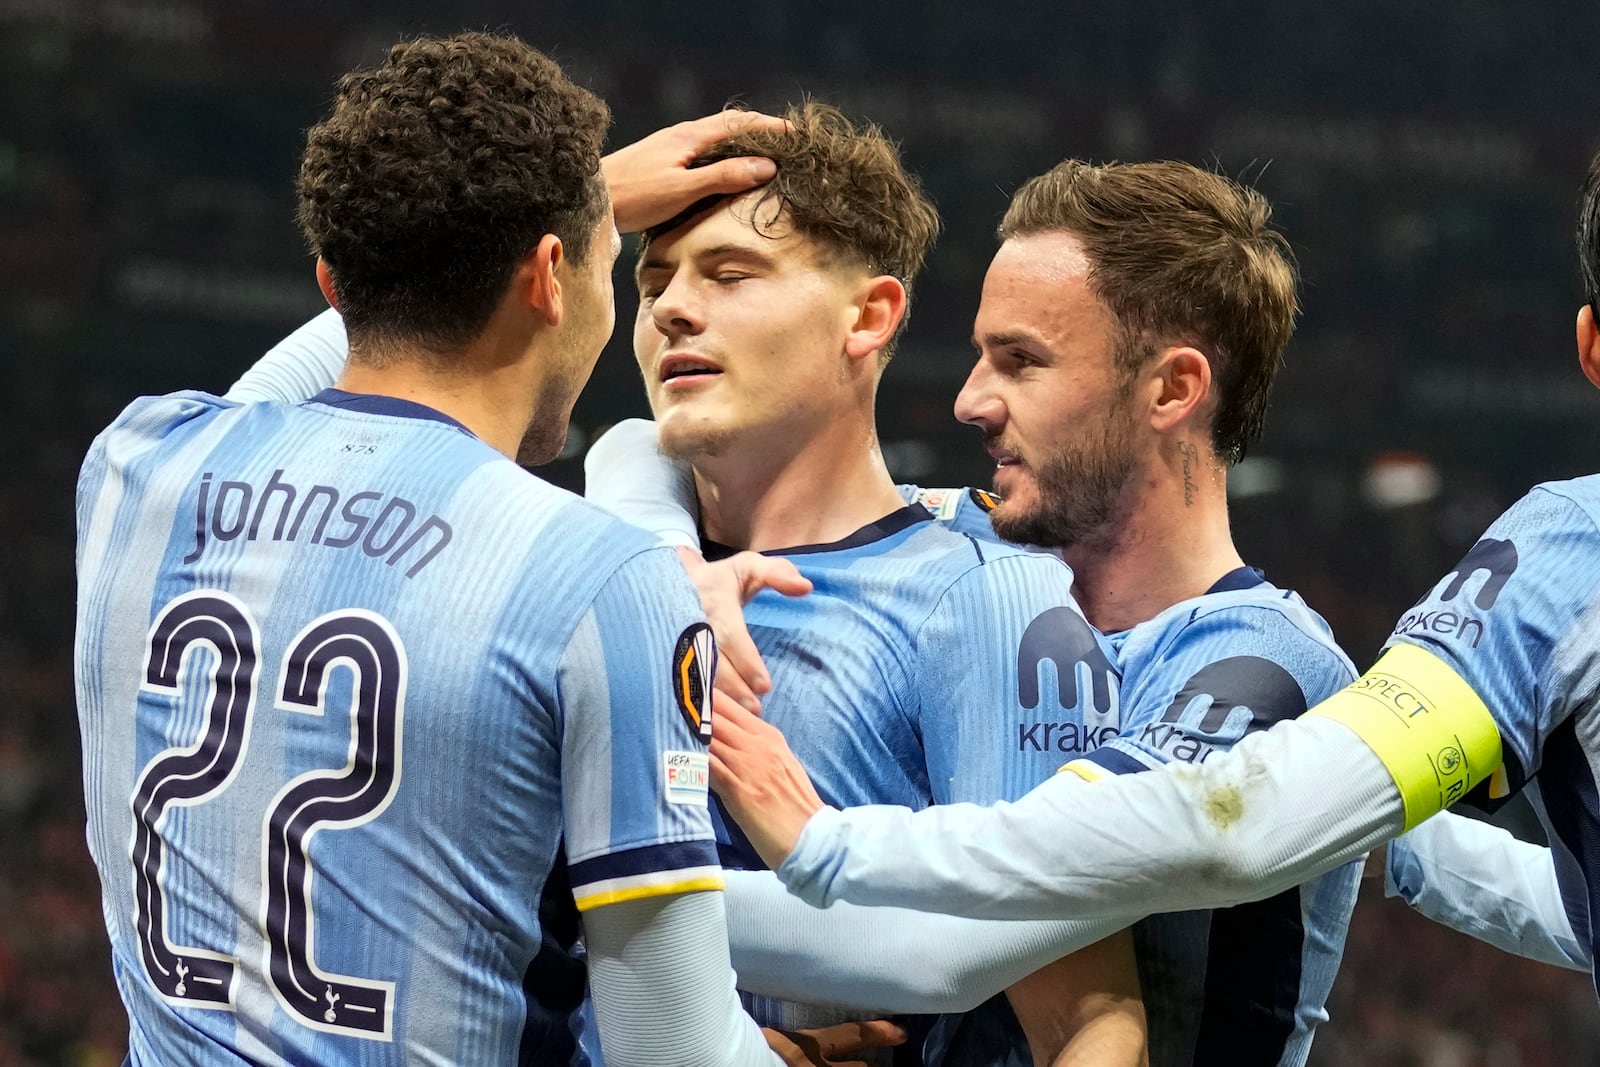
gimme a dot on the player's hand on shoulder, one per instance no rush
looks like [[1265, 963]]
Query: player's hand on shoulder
[[651, 180], [725, 587], [824, 1046]]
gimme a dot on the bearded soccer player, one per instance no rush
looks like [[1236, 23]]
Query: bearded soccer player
[[1129, 332], [1508, 700], [366, 707]]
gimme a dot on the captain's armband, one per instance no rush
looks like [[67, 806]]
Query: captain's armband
[[1430, 729]]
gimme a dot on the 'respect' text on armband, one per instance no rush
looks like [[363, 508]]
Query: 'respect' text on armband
[[1431, 730]]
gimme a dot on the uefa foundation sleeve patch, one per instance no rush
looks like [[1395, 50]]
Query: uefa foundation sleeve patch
[[694, 670], [686, 777]]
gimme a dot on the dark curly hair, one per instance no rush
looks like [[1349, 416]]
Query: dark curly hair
[[1589, 235], [843, 186], [1181, 256], [437, 172]]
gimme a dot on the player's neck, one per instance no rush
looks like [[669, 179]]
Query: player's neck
[[765, 493], [1174, 544], [472, 387]]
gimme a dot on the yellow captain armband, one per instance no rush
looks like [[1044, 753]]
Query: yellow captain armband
[[1427, 725]]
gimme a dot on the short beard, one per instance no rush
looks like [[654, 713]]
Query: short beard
[[1081, 491], [694, 444]]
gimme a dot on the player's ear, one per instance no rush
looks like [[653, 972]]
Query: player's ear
[[325, 283], [1179, 385], [537, 277], [877, 313], [1589, 344]]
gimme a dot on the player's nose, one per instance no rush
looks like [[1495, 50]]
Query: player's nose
[[978, 403], [677, 310]]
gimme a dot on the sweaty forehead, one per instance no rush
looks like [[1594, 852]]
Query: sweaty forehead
[[1040, 284], [746, 223], [1050, 259]]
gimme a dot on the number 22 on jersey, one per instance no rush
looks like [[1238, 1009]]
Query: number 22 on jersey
[[359, 641]]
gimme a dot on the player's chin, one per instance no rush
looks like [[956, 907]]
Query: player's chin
[[684, 433], [542, 443]]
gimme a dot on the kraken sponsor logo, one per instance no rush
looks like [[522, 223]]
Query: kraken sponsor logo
[[1498, 561], [1498, 558], [1062, 637]]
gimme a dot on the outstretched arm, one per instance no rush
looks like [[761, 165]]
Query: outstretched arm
[[1283, 806], [877, 959]]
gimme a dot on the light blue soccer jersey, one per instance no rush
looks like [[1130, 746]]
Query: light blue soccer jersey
[[351, 685], [966, 511], [1242, 985], [896, 681], [1519, 620]]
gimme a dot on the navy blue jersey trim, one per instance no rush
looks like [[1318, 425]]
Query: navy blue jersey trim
[[890, 524], [1246, 577], [374, 404], [647, 859], [1252, 983], [1115, 760], [1572, 807], [557, 977]]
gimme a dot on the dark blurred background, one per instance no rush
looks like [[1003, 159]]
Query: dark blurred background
[[1423, 160]]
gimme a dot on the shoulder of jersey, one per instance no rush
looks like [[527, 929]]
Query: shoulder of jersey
[[1185, 613], [1291, 617], [1582, 493], [963, 510]]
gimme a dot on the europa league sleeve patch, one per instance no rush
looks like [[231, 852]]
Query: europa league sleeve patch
[[985, 500], [694, 669]]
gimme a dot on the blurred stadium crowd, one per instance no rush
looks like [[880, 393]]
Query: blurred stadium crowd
[[1423, 169]]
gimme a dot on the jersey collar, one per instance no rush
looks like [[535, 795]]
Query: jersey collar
[[375, 404], [891, 523], [1246, 577]]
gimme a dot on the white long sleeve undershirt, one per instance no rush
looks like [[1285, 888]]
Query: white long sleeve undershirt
[[1281, 807], [626, 474], [1476, 878], [663, 988], [884, 959], [298, 367]]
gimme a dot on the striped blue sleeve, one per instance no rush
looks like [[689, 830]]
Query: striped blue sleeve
[[635, 692], [1229, 672], [1012, 680], [1516, 619]]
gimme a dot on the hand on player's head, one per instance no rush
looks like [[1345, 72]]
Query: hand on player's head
[[651, 180], [823, 1046], [725, 587], [762, 784]]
